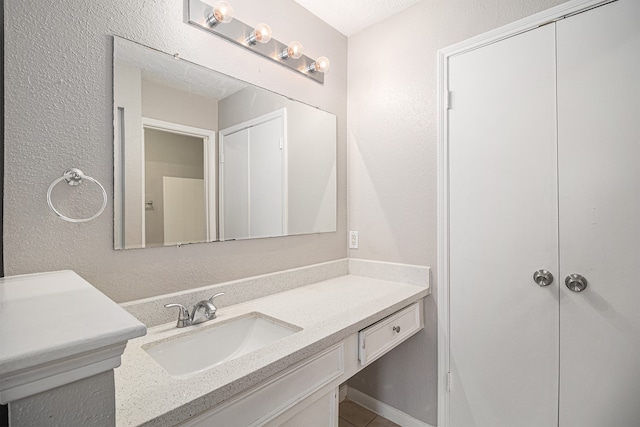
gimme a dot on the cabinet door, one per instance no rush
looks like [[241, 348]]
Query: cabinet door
[[503, 227], [312, 412], [599, 176]]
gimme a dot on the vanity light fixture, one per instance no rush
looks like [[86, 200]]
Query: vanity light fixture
[[261, 34], [294, 50], [221, 12], [320, 65], [208, 16]]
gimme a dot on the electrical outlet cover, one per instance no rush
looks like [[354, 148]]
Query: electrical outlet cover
[[353, 240]]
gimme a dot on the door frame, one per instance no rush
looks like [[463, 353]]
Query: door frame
[[277, 114], [444, 102], [209, 146]]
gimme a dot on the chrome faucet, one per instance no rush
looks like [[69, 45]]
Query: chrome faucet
[[209, 312]]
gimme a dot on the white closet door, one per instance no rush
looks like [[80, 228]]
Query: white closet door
[[599, 153], [503, 227]]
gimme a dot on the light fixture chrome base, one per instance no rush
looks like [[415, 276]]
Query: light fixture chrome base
[[252, 39], [210, 20], [238, 32]]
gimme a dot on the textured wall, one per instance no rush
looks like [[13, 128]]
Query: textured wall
[[392, 131], [89, 402], [58, 69]]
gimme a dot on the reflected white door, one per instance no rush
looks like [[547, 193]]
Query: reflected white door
[[503, 227], [234, 198], [266, 179], [253, 196], [599, 176]]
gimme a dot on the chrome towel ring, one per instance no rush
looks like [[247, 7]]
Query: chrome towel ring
[[74, 176]]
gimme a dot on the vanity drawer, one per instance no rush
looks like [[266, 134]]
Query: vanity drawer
[[384, 335]]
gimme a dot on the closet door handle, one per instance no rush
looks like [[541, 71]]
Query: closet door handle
[[543, 278], [576, 282]]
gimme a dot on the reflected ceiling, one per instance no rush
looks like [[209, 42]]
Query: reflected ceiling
[[164, 70]]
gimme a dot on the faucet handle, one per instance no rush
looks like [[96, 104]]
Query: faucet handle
[[183, 315], [209, 310], [216, 295], [212, 308]]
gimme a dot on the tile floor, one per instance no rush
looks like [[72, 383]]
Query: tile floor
[[354, 415]]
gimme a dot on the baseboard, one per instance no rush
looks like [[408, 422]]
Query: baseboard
[[342, 392], [382, 409]]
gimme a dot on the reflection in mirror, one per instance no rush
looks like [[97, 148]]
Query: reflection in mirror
[[174, 179], [201, 157]]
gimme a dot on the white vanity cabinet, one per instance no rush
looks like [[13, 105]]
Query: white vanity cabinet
[[307, 393], [264, 403], [290, 381]]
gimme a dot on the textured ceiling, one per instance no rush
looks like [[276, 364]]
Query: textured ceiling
[[352, 16]]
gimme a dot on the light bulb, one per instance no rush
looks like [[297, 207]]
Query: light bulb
[[222, 12], [294, 51], [321, 65], [261, 34]]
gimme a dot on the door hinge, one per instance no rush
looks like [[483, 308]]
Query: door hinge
[[448, 100], [221, 157], [281, 143], [448, 381]]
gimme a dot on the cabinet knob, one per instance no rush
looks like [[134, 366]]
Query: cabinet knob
[[396, 329], [543, 278], [576, 282]]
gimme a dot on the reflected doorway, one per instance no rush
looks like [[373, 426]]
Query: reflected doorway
[[176, 188]]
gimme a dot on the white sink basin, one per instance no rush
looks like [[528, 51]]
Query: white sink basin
[[204, 348]]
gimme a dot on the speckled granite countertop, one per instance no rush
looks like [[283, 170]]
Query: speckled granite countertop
[[328, 312]]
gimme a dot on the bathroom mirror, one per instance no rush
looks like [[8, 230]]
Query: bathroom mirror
[[200, 156]]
